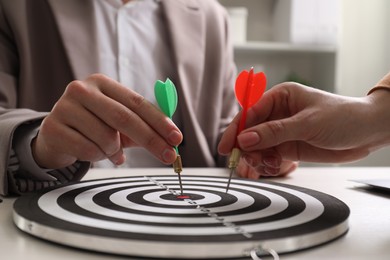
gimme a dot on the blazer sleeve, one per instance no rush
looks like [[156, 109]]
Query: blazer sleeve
[[13, 117], [15, 179]]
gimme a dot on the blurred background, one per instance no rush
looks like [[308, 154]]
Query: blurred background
[[341, 46]]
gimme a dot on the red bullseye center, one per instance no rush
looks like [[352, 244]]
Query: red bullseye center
[[182, 197]]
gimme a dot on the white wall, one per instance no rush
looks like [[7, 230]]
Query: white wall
[[259, 17], [365, 43]]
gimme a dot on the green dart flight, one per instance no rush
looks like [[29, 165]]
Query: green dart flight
[[166, 96]]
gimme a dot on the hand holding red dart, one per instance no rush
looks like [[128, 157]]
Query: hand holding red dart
[[249, 89]]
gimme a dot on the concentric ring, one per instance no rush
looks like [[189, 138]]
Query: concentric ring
[[144, 209]]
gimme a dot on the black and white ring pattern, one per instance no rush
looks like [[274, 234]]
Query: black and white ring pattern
[[146, 209]]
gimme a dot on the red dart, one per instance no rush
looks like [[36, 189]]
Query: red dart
[[249, 89]]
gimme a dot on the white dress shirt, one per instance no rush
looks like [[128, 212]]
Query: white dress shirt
[[134, 50]]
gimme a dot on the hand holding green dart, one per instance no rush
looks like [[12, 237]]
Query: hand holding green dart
[[166, 96]]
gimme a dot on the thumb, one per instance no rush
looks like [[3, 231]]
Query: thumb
[[270, 134]]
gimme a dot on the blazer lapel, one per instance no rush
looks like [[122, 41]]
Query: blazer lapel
[[75, 21], [187, 27]]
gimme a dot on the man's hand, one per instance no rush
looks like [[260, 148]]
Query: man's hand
[[95, 119]]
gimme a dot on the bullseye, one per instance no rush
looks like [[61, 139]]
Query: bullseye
[[134, 214], [182, 197]]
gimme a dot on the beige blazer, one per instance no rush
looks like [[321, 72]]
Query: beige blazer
[[45, 44]]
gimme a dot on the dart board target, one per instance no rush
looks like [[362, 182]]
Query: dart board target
[[144, 216]]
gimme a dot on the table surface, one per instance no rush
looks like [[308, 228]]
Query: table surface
[[369, 222]]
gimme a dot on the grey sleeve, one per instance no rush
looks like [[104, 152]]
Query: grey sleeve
[[24, 175]]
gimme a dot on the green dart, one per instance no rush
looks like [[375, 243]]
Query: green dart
[[166, 96]]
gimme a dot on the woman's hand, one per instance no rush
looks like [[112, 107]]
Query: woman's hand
[[294, 123]]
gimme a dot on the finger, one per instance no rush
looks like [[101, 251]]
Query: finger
[[245, 171], [265, 171], [131, 120], [50, 152], [271, 134], [269, 158], [127, 142], [281, 101], [242, 169], [286, 168], [268, 163], [272, 104], [118, 158], [261, 110], [141, 107], [88, 125]]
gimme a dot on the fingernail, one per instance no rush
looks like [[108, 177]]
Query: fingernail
[[174, 138], [169, 155], [117, 158], [248, 139], [120, 160]]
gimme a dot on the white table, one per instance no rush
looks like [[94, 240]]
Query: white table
[[368, 237]]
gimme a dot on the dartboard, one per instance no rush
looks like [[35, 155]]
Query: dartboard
[[145, 216]]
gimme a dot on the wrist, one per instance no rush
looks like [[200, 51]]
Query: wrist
[[378, 117], [23, 137], [383, 84]]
